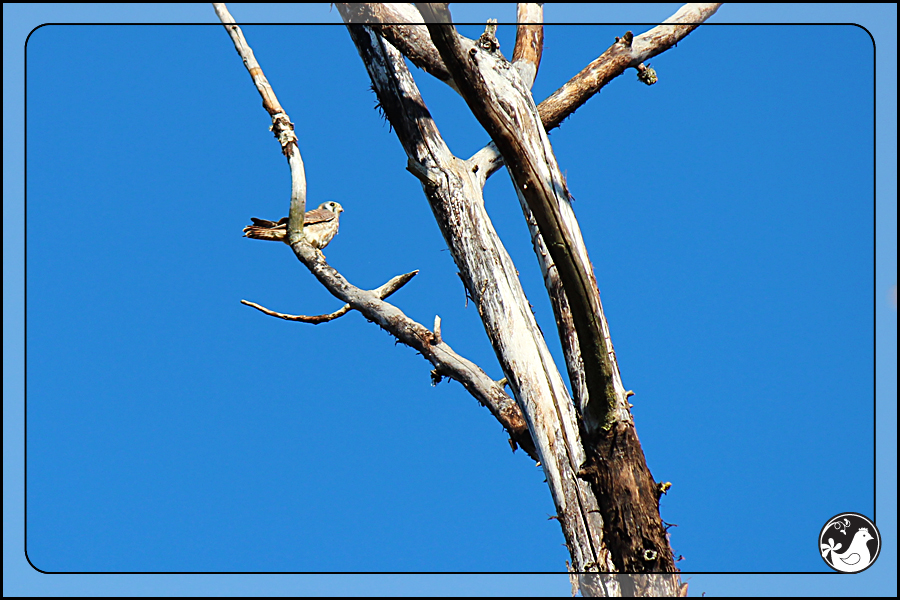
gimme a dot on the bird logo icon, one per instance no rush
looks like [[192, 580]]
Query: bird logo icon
[[862, 550]]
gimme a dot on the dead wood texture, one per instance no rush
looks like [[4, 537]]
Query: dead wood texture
[[454, 194], [503, 105], [606, 499]]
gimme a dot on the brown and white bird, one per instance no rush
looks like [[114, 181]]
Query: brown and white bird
[[319, 225]]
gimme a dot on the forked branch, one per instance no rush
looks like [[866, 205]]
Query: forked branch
[[503, 106], [403, 26], [430, 344], [615, 467], [382, 292], [625, 53], [492, 282], [371, 303]]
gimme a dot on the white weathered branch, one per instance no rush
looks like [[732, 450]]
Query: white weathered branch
[[615, 464], [446, 362], [382, 292], [454, 193], [589, 81], [402, 25], [620, 56], [503, 105], [282, 126], [371, 303]]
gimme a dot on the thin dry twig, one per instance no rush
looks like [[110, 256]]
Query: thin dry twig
[[315, 320], [382, 292]]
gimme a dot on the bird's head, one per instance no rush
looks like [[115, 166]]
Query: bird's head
[[332, 206]]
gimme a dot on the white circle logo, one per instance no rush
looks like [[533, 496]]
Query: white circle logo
[[849, 542]]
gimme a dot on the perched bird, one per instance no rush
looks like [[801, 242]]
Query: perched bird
[[319, 225]]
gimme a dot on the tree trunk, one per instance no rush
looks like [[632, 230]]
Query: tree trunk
[[606, 499]]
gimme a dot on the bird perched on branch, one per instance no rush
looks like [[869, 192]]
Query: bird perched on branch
[[319, 225]]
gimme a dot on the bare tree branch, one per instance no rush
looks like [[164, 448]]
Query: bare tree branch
[[401, 25], [564, 101], [597, 475], [616, 467], [315, 320], [382, 292], [561, 309], [447, 363], [282, 126], [503, 106], [619, 57], [488, 160], [406, 33], [454, 194], [553, 110], [529, 40]]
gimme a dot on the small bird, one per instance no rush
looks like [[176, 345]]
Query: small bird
[[319, 225]]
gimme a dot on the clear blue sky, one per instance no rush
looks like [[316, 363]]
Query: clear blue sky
[[728, 210]]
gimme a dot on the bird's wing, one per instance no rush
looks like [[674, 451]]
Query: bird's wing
[[268, 223], [318, 215]]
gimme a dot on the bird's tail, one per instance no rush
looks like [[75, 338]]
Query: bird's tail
[[263, 229]]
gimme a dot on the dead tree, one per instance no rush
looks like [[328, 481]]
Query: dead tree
[[606, 500]]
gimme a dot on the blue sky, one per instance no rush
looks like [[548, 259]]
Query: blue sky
[[728, 211]]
